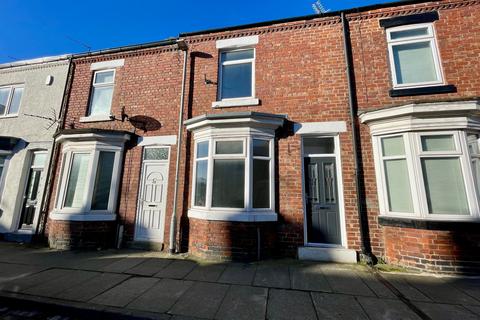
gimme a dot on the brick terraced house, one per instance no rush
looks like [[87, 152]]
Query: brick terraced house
[[328, 137]]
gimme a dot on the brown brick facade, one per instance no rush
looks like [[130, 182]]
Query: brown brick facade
[[300, 72]]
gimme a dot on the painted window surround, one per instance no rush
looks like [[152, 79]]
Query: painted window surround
[[238, 126], [91, 143], [412, 121], [230, 45], [103, 66]]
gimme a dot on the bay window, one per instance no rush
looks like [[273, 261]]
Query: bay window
[[429, 174], [89, 177]]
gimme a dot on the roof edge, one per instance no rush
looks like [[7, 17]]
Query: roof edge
[[29, 62]]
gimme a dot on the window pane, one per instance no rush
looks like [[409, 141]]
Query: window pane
[[103, 180], [237, 81], [77, 180], [4, 93], [2, 160], [39, 159], [414, 63], [104, 77], [201, 183], [156, 154], [101, 100], [261, 148], [398, 186], [438, 143], [393, 146], [409, 33], [202, 149], [261, 183], [237, 55], [318, 145], [444, 186], [15, 104], [228, 183], [229, 147]]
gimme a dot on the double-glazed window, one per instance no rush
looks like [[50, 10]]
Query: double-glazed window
[[10, 98], [414, 58], [430, 174], [237, 74], [102, 92], [89, 178], [234, 173]]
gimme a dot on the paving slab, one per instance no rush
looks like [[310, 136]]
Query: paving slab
[[309, 277], [201, 300], [93, 287], [375, 285], [381, 309], [149, 267], [474, 309], [243, 303], [272, 276], [124, 293], [440, 291], [54, 287], [241, 274], [19, 285], [123, 264], [446, 311], [10, 271], [470, 286], [405, 288], [178, 269], [162, 296], [337, 306], [290, 305], [210, 272], [346, 281]]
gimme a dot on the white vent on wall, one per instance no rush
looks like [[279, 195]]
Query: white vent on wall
[[49, 80]]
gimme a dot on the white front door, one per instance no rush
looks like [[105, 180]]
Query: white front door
[[152, 200]]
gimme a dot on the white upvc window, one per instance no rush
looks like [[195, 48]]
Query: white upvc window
[[102, 93], [428, 175], [414, 57], [234, 174], [89, 179], [237, 74], [10, 98]]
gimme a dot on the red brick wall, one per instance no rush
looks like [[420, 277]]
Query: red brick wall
[[149, 84], [432, 250], [75, 234]]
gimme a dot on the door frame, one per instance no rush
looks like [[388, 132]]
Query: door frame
[[141, 185], [341, 202]]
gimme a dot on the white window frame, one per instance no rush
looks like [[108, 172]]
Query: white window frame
[[431, 38], [229, 63], [234, 214], [12, 88], [414, 154], [101, 85], [93, 149]]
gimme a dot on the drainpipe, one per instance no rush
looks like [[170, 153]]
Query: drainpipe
[[362, 216], [48, 189], [182, 45]]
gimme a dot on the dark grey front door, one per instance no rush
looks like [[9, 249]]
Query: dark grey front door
[[323, 218]]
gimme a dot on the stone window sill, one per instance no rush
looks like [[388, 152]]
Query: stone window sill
[[422, 91], [240, 102], [58, 216], [423, 224], [97, 118], [243, 216]]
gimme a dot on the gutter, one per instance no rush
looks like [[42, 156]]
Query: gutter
[[366, 248], [147, 45], [182, 45], [48, 189]]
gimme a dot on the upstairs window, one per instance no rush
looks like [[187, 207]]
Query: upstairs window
[[237, 74], [102, 92], [414, 58], [10, 98]]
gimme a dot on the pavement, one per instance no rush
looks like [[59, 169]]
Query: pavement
[[128, 284]]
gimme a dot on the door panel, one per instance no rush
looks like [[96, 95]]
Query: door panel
[[150, 220], [323, 216], [30, 199]]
